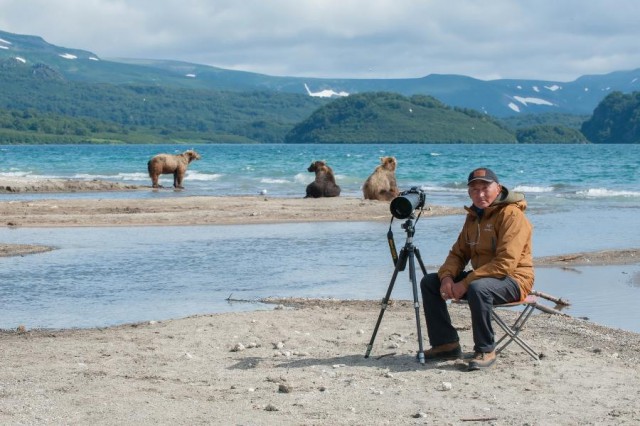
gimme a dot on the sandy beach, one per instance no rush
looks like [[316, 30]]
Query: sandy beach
[[298, 362]]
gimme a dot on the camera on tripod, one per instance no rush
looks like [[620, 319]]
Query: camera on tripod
[[402, 206]]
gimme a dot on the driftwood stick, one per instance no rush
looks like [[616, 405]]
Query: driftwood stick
[[230, 299], [549, 310], [558, 300], [480, 419]]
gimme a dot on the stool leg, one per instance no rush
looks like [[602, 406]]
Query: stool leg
[[511, 332]]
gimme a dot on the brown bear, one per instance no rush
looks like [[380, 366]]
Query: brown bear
[[381, 185], [325, 183], [169, 163]]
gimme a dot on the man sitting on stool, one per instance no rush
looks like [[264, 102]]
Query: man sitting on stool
[[496, 239]]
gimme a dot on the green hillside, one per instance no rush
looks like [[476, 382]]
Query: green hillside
[[38, 105], [384, 117], [615, 120]]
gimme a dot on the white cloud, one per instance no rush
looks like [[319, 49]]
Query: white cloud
[[545, 40]]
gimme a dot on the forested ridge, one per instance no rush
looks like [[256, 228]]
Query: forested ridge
[[615, 120], [389, 117], [38, 105]]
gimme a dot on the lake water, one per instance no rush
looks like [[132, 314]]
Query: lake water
[[581, 198]]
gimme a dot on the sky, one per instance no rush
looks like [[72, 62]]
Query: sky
[[552, 40]]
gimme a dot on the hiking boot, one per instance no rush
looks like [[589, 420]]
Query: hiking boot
[[482, 360], [444, 352]]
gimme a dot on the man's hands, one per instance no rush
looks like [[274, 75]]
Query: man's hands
[[451, 290]]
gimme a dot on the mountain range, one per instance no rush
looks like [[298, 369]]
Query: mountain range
[[499, 98]]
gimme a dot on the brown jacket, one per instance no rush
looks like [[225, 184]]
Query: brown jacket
[[498, 244]]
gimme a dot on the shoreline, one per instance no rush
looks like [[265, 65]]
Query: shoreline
[[279, 367], [196, 210], [183, 210]]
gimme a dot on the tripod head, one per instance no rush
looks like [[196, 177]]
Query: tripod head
[[409, 225]]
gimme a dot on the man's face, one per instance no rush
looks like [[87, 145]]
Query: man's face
[[483, 193]]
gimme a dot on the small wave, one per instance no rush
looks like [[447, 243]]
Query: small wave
[[435, 154], [193, 175], [15, 174], [133, 176], [536, 189], [303, 178], [271, 180], [119, 176], [428, 188], [603, 193], [456, 186], [87, 176]]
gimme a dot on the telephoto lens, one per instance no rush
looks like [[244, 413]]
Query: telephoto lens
[[402, 207]]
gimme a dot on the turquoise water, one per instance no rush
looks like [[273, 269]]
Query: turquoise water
[[549, 174], [581, 198]]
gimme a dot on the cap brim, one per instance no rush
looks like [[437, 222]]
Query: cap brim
[[484, 179]]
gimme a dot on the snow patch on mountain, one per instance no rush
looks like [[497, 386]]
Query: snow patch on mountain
[[327, 93], [534, 101], [4, 47], [19, 59], [526, 101], [553, 87], [68, 56], [4, 41]]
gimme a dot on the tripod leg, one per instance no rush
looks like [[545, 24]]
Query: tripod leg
[[416, 303], [424, 270], [385, 301]]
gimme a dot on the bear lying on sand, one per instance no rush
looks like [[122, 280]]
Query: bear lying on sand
[[381, 185], [168, 163], [325, 183]]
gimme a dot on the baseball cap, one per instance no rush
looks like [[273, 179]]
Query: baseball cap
[[483, 174]]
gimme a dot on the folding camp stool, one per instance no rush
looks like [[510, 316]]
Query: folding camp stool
[[512, 332]]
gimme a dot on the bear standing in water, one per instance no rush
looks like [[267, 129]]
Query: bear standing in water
[[325, 183], [170, 164], [381, 185]]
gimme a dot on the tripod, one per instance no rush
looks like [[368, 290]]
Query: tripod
[[408, 252]]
